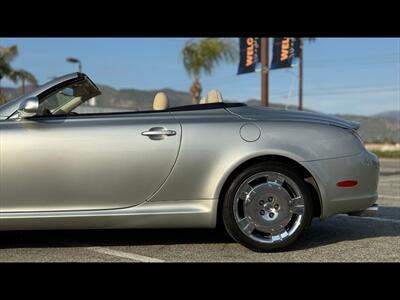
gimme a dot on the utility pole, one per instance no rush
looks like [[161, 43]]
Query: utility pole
[[264, 71], [1, 96], [301, 74]]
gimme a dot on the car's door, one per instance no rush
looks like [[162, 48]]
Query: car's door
[[85, 162]]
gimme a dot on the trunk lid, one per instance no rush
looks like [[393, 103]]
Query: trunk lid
[[259, 113]]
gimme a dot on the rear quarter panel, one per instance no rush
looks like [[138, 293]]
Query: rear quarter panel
[[212, 148]]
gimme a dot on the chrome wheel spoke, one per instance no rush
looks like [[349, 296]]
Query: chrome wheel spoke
[[246, 225], [298, 209], [284, 234], [276, 238], [245, 191], [280, 180], [297, 206], [280, 235]]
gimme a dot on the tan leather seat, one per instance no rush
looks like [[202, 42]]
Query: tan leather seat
[[214, 96], [160, 101]]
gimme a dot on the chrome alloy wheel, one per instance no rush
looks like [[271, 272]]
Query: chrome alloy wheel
[[268, 207]]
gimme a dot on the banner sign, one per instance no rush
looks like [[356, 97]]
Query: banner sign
[[250, 54], [296, 46], [283, 53]]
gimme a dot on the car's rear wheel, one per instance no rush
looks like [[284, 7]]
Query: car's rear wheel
[[267, 206]]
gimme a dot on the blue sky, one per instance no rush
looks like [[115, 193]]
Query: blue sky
[[341, 75]]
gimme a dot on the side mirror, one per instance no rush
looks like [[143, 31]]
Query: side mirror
[[28, 107]]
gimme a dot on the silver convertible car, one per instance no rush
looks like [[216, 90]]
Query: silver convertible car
[[261, 173]]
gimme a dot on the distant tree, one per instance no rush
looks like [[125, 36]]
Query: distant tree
[[7, 55], [201, 56], [24, 76], [2, 98]]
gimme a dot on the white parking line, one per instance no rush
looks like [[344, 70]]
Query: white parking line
[[388, 183], [116, 253], [389, 196], [131, 256], [397, 180]]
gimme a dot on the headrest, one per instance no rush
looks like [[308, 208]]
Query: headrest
[[160, 101], [214, 96]]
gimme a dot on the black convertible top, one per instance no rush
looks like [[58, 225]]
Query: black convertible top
[[205, 106]]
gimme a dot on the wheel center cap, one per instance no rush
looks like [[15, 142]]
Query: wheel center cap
[[268, 206]]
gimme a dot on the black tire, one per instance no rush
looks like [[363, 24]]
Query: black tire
[[228, 214]]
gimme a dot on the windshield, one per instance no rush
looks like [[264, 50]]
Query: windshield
[[67, 99]]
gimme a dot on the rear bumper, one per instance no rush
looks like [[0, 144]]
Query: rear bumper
[[371, 211], [364, 168]]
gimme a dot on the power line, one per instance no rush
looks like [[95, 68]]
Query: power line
[[354, 58], [339, 92], [348, 87], [352, 66], [233, 76]]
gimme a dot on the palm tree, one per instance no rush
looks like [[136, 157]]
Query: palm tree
[[202, 55], [7, 55], [24, 76]]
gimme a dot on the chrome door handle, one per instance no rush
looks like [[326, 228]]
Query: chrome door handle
[[152, 133]]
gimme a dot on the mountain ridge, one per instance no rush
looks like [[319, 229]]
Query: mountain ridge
[[381, 127]]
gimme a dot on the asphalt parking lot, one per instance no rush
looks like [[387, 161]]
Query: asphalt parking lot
[[338, 239]]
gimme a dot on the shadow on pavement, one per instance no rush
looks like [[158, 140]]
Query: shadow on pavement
[[389, 212], [342, 228], [111, 237], [321, 233]]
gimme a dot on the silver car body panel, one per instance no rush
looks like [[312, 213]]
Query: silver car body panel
[[363, 167], [101, 172], [84, 163], [271, 115], [168, 214]]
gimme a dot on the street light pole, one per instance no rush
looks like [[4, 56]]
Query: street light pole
[[1, 77], [75, 61], [2, 99], [301, 74], [264, 71]]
